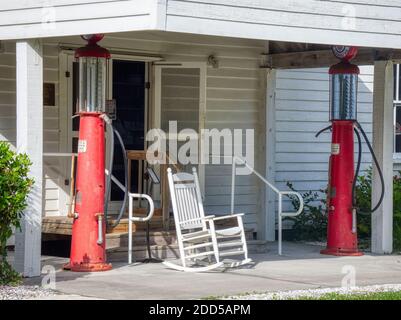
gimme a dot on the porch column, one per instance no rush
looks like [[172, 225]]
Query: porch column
[[270, 196], [382, 219], [30, 140]]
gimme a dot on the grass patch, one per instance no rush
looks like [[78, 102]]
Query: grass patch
[[387, 295]]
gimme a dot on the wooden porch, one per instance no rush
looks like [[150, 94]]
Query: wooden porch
[[162, 241], [162, 234]]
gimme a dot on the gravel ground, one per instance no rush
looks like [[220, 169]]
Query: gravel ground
[[313, 293], [24, 292]]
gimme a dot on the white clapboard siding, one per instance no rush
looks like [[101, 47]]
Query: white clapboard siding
[[29, 19], [50, 114], [347, 22], [302, 109], [373, 23], [234, 101]]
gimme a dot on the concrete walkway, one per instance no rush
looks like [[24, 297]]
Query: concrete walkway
[[301, 267]]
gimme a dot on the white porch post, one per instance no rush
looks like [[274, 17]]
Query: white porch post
[[30, 140], [270, 207], [382, 219]]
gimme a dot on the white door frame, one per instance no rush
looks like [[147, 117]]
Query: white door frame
[[65, 98], [202, 66], [114, 206]]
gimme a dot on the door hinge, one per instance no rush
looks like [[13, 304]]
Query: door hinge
[[147, 85], [67, 74]]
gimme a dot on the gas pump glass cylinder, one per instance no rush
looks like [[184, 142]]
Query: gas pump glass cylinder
[[343, 96], [92, 84]]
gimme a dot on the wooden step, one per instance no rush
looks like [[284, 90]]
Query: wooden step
[[163, 243], [116, 240], [63, 225], [231, 253], [156, 223], [142, 212], [57, 225]]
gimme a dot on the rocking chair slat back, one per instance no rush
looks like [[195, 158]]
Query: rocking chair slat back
[[186, 200], [196, 245]]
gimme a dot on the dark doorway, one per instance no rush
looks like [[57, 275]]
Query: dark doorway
[[129, 93]]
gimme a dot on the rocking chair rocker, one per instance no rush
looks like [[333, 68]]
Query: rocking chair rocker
[[198, 239]]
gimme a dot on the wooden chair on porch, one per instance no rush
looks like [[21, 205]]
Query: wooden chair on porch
[[202, 247]]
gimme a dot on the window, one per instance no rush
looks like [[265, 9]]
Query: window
[[397, 109]]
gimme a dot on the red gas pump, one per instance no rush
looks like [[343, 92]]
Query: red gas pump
[[341, 201], [88, 251], [92, 190]]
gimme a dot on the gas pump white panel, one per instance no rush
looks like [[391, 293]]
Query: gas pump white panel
[[81, 146]]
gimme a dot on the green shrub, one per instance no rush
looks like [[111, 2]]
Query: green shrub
[[397, 212], [311, 224], [14, 188], [363, 194]]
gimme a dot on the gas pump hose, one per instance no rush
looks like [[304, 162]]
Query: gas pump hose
[[376, 164], [109, 169], [358, 165], [113, 131]]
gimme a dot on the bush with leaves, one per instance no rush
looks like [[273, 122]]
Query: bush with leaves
[[14, 188], [363, 197], [311, 224], [397, 212], [363, 193]]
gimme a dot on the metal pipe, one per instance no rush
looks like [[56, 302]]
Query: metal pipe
[[59, 154], [280, 235], [354, 225], [232, 185], [131, 218], [300, 200], [100, 228], [130, 230], [151, 206]]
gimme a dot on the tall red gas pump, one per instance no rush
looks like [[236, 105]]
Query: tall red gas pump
[[341, 202], [88, 251]]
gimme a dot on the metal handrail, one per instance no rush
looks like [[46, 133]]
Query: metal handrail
[[280, 213], [131, 218], [59, 154]]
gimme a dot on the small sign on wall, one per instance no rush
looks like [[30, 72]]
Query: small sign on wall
[[49, 94]]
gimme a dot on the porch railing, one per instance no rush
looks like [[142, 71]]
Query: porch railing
[[237, 160]]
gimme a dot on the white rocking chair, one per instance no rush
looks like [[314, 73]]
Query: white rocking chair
[[199, 241]]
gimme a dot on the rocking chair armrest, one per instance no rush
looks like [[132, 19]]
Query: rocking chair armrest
[[210, 217], [236, 215]]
